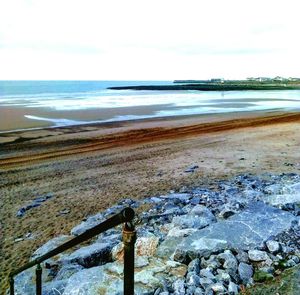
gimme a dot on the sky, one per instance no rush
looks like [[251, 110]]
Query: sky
[[148, 40]]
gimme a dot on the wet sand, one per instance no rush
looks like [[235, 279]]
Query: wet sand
[[89, 168]]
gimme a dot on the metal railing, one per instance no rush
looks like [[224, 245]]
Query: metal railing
[[129, 237]]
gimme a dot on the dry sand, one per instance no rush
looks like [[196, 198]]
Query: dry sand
[[89, 168]]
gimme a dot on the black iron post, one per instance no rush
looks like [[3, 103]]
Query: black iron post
[[11, 286], [129, 238], [38, 273]]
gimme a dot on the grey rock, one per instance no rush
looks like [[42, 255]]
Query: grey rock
[[54, 287], [205, 282], [191, 221], [218, 288], [273, 246], [257, 255], [182, 197], [211, 263], [245, 230], [179, 287], [242, 256], [50, 245], [89, 256], [245, 272], [198, 291], [89, 223], [67, 271], [223, 276], [194, 266], [232, 288], [228, 260], [193, 280], [206, 273]]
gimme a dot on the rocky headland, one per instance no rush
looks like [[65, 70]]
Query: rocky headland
[[226, 237]]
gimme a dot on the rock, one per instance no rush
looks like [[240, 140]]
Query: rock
[[245, 230], [144, 246], [218, 288], [182, 197], [206, 273], [242, 256], [194, 266], [261, 276], [54, 287], [228, 260], [178, 287], [193, 280], [245, 272], [108, 278], [273, 246], [232, 288], [89, 223], [167, 248], [257, 255], [223, 276], [193, 247], [211, 263], [190, 221], [35, 203], [50, 245], [205, 282], [89, 256], [67, 271]]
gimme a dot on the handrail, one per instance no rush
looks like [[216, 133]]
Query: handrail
[[129, 236]]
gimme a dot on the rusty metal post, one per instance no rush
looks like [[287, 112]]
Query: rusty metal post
[[38, 273], [129, 238], [11, 286]]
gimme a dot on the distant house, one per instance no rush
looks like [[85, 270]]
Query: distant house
[[279, 79], [217, 80]]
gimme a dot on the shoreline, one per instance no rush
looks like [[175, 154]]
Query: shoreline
[[88, 169]]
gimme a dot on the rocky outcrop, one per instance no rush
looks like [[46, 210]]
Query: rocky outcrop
[[197, 241]]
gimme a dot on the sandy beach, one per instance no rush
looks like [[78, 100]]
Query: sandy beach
[[90, 167]]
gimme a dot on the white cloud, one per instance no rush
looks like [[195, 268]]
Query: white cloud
[[136, 39]]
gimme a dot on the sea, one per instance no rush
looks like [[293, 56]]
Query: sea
[[60, 98]]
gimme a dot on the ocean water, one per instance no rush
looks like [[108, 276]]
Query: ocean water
[[59, 98]]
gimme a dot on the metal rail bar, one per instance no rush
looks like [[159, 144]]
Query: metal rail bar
[[125, 216]]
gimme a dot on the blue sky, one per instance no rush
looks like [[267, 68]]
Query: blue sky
[[140, 40]]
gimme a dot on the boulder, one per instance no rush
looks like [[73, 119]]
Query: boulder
[[89, 256], [243, 231], [108, 278], [87, 224], [245, 272]]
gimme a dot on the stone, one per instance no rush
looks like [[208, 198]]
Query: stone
[[193, 280], [193, 247], [167, 248], [182, 197], [257, 255], [191, 221], [50, 245], [273, 246], [108, 278], [88, 224], [206, 273], [228, 260], [89, 256], [243, 231], [144, 246], [179, 287], [211, 263], [205, 282], [218, 288], [194, 266], [232, 288], [242, 256], [245, 272]]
